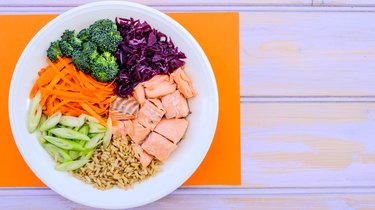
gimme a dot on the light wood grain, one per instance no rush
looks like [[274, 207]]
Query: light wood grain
[[159, 2], [209, 200], [308, 144], [307, 107], [307, 54], [344, 2]]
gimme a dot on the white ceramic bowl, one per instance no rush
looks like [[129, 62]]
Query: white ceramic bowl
[[181, 164]]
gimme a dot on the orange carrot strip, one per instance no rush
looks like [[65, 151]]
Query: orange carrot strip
[[34, 90], [94, 114]]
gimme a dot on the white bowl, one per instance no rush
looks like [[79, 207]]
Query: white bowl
[[181, 164]]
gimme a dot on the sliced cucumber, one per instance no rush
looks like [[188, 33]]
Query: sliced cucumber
[[88, 155], [96, 127], [74, 154], [35, 113], [43, 118], [71, 165], [64, 143], [71, 121], [89, 118], [95, 141], [56, 153], [108, 133], [69, 134], [84, 129], [40, 138], [50, 122]]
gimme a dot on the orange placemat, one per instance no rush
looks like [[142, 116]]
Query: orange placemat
[[217, 33]]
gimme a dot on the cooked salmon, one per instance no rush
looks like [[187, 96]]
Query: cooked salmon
[[138, 132], [123, 128], [119, 130], [124, 108], [173, 129], [151, 113], [158, 146], [158, 86], [139, 94], [175, 105], [141, 155], [183, 83], [128, 127]]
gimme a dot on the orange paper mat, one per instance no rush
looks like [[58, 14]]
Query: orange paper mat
[[217, 33]]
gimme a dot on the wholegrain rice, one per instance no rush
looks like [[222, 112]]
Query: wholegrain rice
[[115, 165]]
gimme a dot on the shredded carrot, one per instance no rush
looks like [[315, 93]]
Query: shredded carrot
[[93, 113], [63, 88]]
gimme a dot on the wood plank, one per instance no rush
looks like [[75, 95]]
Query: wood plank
[[308, 144], [344, 2], [307, 53], [209, 199], [70, 3]]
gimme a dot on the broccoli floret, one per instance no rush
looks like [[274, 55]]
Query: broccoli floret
[[70, 37], [54, 51], [66, 48], [84, 35], [83, 58], [105, 35], [104, 67]]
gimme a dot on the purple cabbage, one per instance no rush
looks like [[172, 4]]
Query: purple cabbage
[[143, 53]]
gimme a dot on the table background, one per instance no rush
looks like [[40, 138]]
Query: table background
[[307, 107]]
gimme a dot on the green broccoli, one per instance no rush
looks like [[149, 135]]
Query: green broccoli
[[105, 35], [70, 37], [66, 48], [84, 35], [82, 58], [91, 50], [54, 51], [104, 68]]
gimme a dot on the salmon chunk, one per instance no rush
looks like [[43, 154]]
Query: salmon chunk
[[158, 86], [183, 83], [142, 156], [175, 105], [128, 127], [123, 128], [158, 146], [124, 108], [173, 129], [151, 113], [139, 94], [138, 132], [119, 130]]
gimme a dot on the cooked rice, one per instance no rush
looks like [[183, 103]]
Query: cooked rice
[[115, 165]]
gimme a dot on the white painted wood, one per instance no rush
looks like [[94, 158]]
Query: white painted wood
[[307, 54], [204, 199], [158, 2], [242, 8], [308, 144], [307, 112], [344, 2]]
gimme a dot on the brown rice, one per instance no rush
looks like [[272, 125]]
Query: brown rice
[[115, 165]]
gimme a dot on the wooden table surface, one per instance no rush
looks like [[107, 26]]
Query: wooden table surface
[[307, 107]]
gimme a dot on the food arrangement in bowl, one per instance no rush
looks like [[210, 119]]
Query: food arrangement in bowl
[[113, 95], [110, 107]]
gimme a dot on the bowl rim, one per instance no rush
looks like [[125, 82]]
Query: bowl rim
[[12, 91]]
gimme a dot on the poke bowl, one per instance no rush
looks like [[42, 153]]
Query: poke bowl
[[184, 94]]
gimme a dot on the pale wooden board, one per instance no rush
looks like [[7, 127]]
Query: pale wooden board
[[288, 143], [308, 144], [305, 53], [207, 200], [158, 2], [344, 2]]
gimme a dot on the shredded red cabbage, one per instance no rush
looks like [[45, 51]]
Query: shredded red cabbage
[[143, 53]]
